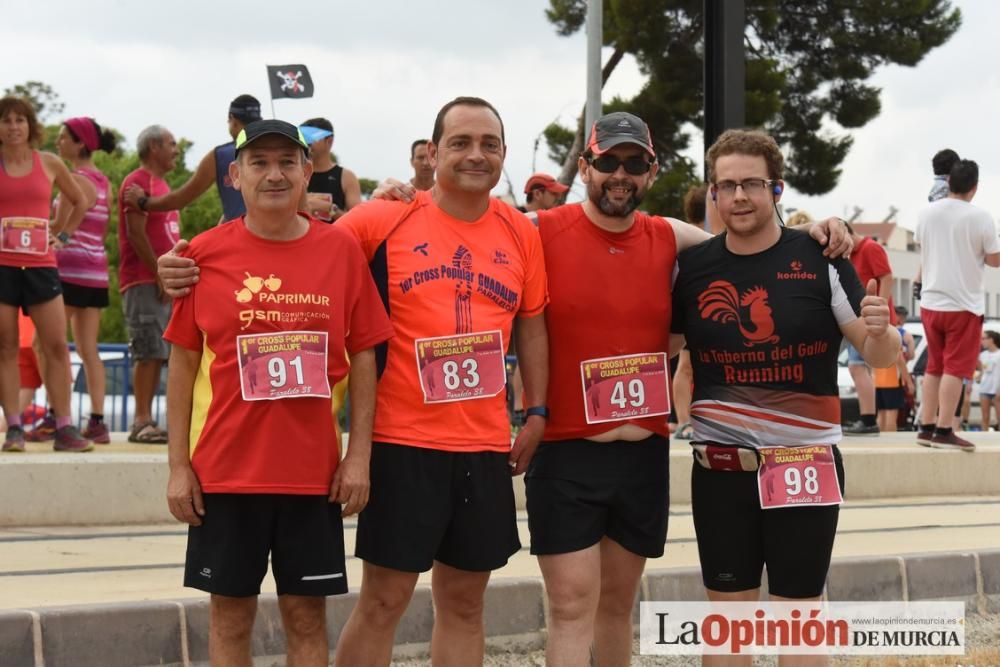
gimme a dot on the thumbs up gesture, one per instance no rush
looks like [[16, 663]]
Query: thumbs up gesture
[[874, 310]]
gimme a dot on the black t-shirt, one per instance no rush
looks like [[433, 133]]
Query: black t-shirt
[[764, 333], [330, 182]]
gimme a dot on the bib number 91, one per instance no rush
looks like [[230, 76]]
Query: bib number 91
[[277, 369]]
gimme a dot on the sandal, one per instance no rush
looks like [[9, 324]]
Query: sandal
[[147, 433], [684, 432]]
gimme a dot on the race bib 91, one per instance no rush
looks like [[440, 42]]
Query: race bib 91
[[285, 364], [462, 367]]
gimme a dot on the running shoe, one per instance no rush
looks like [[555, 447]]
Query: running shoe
[[98, 432], [44, 430], [68, 439], [859, 428], [952, 441], [14, 442]]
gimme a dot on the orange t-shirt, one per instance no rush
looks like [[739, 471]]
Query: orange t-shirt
[[441, 276]]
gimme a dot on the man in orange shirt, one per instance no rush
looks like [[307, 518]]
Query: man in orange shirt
[[455, 267]]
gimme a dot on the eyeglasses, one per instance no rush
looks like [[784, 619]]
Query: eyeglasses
[[751, 186], [608, 164]]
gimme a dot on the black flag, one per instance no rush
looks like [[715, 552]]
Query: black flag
[[289, 81]]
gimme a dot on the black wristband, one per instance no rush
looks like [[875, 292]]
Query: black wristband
[[63, 237], [537, 411], [142, 203]]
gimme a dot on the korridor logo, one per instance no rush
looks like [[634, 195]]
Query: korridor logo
[[720, 302]]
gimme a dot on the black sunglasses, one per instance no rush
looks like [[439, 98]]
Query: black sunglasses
[[608, 164]]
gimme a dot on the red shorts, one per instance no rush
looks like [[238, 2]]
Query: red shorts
[[27, 363], [953, 341]]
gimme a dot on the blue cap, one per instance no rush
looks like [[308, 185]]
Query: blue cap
[[314, 134]]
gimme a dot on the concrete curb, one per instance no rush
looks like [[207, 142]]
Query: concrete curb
[[175, 632], [110, 488]]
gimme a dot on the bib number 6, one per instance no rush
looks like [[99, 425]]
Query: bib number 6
[[469, 375], [25, 239], [278, 371], [794, 481], [636, 394]]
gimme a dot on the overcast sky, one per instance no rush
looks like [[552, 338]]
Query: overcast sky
[[382, 70]]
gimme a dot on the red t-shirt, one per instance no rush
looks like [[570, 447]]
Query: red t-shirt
[[443, 277], [871, 261], [163, 230], [610, 296], [249, 285]]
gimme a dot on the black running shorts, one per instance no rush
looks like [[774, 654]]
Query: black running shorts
[[431, 505], [579, 491], [737, 539], [303, 535]]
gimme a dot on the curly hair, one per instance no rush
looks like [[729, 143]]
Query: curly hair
[[746, 142]]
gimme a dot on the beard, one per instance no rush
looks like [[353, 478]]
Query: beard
[[598, 195]]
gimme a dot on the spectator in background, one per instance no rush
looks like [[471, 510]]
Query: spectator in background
[[333, 190], [942, 162], [989, 378], [871, 262], [957, 239], [29, 279], [894, 383], [83, 261], [798, 218], [142, 237], [542, 192], [423, 172], [213, 168], [683, 378]]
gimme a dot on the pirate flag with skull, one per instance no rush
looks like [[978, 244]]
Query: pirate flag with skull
[[289, 81]]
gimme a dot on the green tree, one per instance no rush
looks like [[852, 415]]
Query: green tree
[[807, 64], [45, 100]]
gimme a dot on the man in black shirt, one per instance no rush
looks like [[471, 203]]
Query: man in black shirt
[[333, 190]]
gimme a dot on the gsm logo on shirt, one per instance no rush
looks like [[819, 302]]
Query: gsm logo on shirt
[[267, 290]]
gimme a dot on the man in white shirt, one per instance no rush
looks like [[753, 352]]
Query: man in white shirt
[[956, 241]]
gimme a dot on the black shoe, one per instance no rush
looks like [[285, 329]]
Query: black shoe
[[859, 428]]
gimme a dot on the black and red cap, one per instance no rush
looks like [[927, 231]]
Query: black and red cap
[[617, 128]]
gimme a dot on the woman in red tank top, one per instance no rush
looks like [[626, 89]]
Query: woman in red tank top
[[28, 275]]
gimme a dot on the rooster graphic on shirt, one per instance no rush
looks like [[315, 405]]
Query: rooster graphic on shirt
[[750, 312]]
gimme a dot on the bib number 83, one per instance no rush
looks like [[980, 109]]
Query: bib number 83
[[278, 371], [636, 394], [453, 378], [795, 480]]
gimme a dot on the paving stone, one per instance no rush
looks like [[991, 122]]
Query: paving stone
[[113, 635], [941, 576], [514, 606], [17, 645], [865, 579]]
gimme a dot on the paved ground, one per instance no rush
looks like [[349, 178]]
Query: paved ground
[[77, 565]]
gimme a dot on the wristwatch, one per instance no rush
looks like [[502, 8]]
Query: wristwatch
[[63, 237], [537, 411], [142, 203]]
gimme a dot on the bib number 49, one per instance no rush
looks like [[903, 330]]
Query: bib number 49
[[467, 375], [636, 394]]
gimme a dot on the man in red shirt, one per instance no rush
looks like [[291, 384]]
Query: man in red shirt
[[871, 262], [254, 454], [142, 237]]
